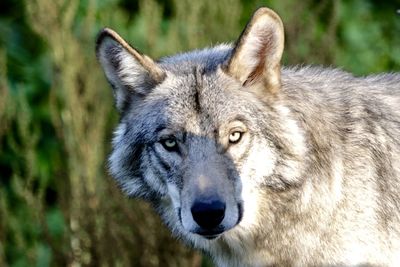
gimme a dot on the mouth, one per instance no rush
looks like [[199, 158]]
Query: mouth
[[211, 237], [210, 234]]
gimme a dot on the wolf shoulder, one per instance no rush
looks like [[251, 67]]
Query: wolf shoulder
[[336, 80], [339, 91]]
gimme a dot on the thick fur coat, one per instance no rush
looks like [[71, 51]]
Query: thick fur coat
[[257, 164]]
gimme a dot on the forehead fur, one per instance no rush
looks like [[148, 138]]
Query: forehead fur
[[208, 104], [196, 95], [207, 60]]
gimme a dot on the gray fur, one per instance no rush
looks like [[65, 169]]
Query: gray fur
[[314, 181]]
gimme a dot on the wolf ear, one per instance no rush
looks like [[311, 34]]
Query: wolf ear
[[130, 73], [257, 54]]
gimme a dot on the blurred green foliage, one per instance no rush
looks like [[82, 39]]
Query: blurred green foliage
[[58, 207]]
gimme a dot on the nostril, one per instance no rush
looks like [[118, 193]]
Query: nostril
[[208, 215]]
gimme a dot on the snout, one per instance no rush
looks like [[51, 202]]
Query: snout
[[209, 206], [208, 215]]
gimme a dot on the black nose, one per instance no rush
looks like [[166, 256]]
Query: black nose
[[208, 215]]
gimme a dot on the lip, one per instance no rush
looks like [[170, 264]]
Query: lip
[[211, 237], [210, 234]]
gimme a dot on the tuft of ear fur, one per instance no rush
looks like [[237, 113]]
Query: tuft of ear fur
[[257, 54], [130, 73]]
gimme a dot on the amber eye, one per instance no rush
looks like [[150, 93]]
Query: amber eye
[[169, 144], [234, 137]]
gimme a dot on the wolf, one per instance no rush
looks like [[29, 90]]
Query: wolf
[[257, 164]]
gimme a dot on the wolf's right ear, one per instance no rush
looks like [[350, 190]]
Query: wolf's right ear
[[130, 73], [257, 54]]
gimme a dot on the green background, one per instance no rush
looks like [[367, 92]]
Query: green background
[[58, 206]]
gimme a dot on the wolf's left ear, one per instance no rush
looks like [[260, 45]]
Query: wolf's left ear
[[130, 73], [257, 55]]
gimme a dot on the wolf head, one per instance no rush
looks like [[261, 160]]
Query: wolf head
[[201, 132]]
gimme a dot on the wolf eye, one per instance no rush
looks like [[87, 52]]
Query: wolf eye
[[234, 137], [169, 144]]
